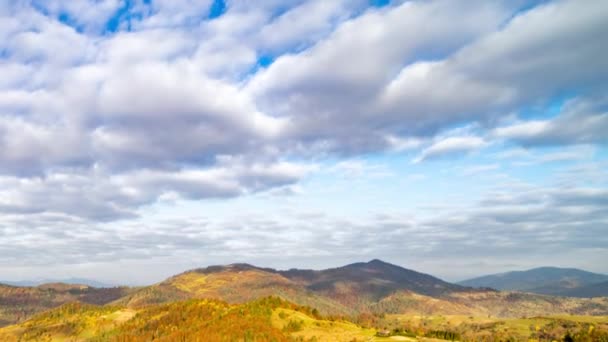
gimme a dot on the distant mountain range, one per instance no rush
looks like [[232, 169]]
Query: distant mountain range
[[546, 280], [19, 303], [74, 281], [241, 300], [373, 287]]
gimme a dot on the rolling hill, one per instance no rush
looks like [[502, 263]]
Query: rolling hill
[[543, 280], [266, 319], [274, 319]]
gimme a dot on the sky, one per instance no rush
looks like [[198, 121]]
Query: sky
[[142, 138]]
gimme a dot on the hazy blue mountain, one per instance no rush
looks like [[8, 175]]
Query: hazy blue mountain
[[543, 280], [589, 291]]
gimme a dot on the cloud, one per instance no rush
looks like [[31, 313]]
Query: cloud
[[450, 145], [111, 107], [159, 97], [581, 121], [102, 196], [547, 220], [331, 98], [306, 24]]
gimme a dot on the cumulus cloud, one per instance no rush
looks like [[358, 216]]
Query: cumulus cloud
[[160, 94], [101, 196], [479, 70], [332, 91]]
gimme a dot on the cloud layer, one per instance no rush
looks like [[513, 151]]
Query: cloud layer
[[108, 108]]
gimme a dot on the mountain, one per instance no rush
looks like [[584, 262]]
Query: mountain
[[375, 279], [543, 280], [74, 281], [236, 283], [589, 291], [374, 287], [337, 291]]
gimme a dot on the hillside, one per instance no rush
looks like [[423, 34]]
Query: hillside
[[274, 319], [543, 280], [267, 319], [19, 303], [237, 283]]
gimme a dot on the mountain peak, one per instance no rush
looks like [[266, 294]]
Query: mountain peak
[[378, 262], [235, 267]]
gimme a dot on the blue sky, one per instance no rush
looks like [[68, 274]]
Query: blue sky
[[454, 138]]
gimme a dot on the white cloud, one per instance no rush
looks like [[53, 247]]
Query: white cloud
[[306, 23], [450, 145], [581, 121], [98, 195], [333, 91]]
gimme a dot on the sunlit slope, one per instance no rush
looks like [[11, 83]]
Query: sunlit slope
[[302, 325], [69, 322], [484, 328], [234, 284], [268, 319], [273, 319]]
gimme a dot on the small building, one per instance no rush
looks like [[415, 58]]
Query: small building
[[383, 333]]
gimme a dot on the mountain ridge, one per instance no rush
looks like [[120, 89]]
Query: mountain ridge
[[373, 287], [72, 281], [542, 280]]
